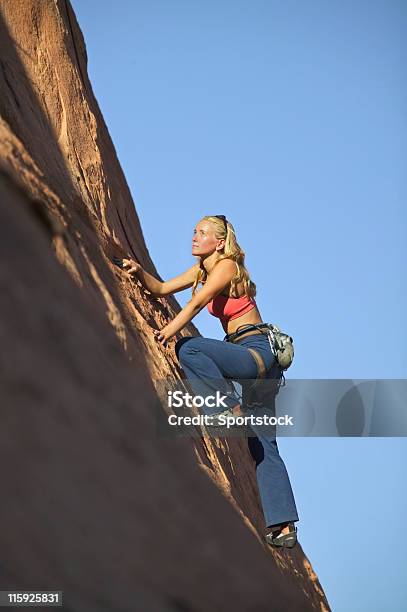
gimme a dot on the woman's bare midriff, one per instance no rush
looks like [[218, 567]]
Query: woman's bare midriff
[[253, 316]]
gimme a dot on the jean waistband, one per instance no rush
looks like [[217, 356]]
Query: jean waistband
[[250, 329]]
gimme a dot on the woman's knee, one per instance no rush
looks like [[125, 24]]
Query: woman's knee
[[185, 346]]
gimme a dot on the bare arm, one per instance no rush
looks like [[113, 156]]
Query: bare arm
[[180, 282], [159, 288], [219, 278]]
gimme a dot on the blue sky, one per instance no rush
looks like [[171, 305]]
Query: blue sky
[[290, 119]]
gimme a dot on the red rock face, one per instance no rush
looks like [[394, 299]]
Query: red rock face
[[93, 502]]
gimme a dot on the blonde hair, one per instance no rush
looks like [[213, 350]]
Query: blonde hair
[[233, 251]]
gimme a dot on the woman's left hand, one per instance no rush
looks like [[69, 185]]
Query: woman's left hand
[[162, 335]]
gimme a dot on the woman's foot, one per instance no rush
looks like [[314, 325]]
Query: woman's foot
[[237, 410], [228, 413], [283, 535], [281, 528]]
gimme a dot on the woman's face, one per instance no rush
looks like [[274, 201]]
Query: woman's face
[[204, 241]]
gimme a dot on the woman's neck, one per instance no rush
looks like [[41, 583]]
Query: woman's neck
[[208, 262]]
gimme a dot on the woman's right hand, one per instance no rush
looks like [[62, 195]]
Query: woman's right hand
[[130, 266]]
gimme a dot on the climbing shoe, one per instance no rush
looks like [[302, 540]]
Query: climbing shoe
[[225, 414], [286, 540]]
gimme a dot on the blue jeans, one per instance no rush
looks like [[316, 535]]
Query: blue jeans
[[203, 359]]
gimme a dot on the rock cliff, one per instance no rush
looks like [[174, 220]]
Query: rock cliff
[[93, 502]]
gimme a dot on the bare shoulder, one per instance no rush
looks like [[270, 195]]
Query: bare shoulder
[[231, 267], [227, 264]]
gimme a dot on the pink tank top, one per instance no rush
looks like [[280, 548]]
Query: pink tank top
[[227, 308]]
